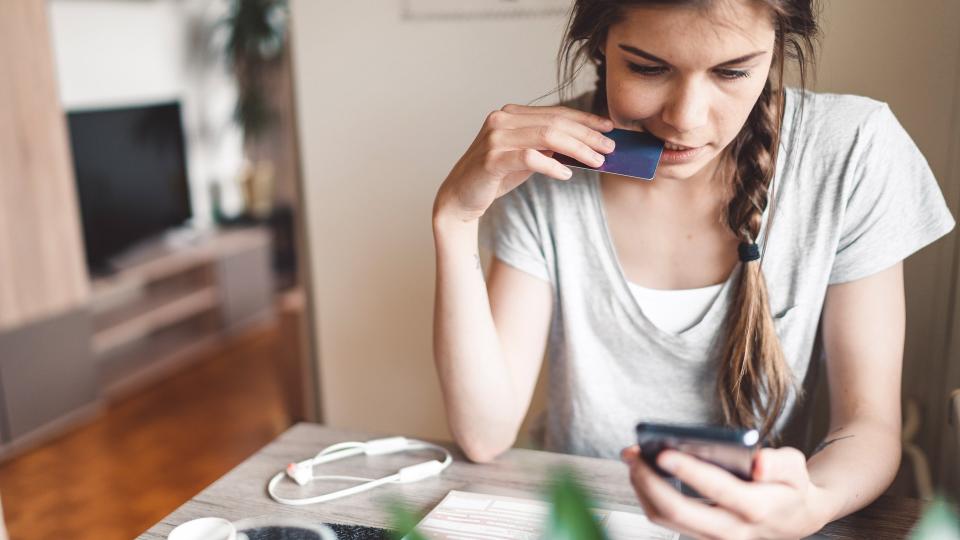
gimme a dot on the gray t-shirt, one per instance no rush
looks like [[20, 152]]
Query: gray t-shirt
[[855, 197]]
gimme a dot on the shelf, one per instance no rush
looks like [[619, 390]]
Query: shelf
[[134, 300], [153, 318], [160, 259], [127, 370], [166, 303], [167, 300]]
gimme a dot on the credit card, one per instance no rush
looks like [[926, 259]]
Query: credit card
[[637, 154]]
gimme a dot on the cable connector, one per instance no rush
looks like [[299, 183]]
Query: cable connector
[[301, 472]]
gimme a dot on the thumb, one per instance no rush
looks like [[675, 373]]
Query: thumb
[[785, 465], [630, 454]]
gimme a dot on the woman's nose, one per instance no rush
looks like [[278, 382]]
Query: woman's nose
[[686, 108]]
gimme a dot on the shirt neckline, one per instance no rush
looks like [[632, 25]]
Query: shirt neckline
[[669, 292], [707, 323]]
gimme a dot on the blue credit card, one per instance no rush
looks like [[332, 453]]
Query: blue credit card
[[637, 154]]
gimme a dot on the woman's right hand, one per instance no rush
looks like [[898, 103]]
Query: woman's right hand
[[515, 142]]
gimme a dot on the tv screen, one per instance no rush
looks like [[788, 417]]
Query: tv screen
[[131, 174]]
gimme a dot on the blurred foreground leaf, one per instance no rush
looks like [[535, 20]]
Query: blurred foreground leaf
[[571, 517], [938, 522], [403, 522]]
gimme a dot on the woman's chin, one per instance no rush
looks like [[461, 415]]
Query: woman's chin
[[673, 171]]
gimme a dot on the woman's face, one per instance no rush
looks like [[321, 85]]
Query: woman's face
[[689, 77]]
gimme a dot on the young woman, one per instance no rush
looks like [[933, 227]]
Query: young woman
[[697, 297]]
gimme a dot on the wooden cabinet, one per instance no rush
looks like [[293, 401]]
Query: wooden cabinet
[[164, 306], [47, 376], [167, 303]]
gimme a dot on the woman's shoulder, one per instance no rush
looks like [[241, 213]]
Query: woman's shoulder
[[832, 118], [835, 101], [548, 191]]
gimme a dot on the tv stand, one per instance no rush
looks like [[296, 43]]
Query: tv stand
[[168, 301], [162, 306]]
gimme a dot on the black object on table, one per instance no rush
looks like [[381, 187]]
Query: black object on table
[[344, 532], [358, 532]]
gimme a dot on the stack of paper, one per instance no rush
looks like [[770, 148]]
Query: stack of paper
[[470, 516]]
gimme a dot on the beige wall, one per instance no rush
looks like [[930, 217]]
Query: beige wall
[[387, 106], [908, 54], [42, 271]]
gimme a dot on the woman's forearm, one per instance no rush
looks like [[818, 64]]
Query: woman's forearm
[[854, 465], [477, 387]]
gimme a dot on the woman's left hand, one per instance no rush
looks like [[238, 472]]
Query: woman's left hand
[[781, 502]]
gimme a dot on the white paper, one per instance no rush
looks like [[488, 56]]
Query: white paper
[[472, 516]]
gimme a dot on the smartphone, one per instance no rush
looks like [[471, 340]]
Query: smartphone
[[728, 448]]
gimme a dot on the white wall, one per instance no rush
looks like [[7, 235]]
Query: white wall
[[386, 107], [116, 52]]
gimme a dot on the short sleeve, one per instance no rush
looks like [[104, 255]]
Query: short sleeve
[[514, 231], [894, 206]]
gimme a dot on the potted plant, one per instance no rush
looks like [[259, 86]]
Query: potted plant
[[256, 39]]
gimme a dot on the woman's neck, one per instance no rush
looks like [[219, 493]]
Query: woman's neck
[[705, 192]]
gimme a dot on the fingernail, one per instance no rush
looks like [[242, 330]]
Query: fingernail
[[608, 143], [598, 158], [667, 463]]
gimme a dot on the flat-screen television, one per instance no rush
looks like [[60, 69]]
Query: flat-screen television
[[131, 173]]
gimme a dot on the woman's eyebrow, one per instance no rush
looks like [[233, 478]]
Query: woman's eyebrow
[[644, 54]]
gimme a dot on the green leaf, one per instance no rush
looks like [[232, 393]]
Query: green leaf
[[256, 33], [253, 112], [403, 522], [256, 29], [938, 522], [571, 517]]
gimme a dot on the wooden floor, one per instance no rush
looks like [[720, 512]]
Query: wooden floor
[[144, 457]]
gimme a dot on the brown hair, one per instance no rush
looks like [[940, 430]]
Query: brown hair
[[753, 376]]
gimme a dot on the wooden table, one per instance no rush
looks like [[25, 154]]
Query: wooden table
[[242, 492]]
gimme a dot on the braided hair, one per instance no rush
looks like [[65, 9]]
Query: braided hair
[[754, 378], [753, 365]]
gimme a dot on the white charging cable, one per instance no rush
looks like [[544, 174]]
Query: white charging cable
[[302, 472]]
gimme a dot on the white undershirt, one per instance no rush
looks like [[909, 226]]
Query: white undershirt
[[674, 310]]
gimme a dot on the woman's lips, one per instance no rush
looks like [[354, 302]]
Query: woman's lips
[[670, 155], [675, 146], [674, 153]]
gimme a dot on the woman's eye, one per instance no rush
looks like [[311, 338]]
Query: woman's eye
[[732, 74], [646, 70], [653, 71]]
